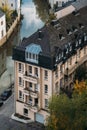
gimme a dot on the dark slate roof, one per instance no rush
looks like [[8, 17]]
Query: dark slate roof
[[1, 14], [48, 37]]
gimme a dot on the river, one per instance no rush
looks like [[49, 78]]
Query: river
[[35, 15]]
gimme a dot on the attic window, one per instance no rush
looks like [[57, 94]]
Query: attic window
[[76, 13], [76, 43], [85, 37], [80, 41], [56, 58], [61, 37], [69, 31], [59, 56], [81, 25], [74, 28], [54, 23]]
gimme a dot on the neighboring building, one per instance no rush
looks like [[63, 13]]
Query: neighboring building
[[12, 4], [46, 61], [59, 3], [2, 25]]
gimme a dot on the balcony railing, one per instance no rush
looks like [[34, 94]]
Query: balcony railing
[[34, 108], [30, 78], [32, 93], [68, 71]]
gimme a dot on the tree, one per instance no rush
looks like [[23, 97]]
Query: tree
[[80, 73], [68, 114], [8, 12], [80, 86]]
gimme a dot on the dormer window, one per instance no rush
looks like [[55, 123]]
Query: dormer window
[[70, 48], [61, 37], [31, 53], [69, 32], [85, 37], [74, 28], [81, 25], [56, 58], [76, 13], [80, 41], [59, 56], [67, 50], [62, 54], [76, 43]]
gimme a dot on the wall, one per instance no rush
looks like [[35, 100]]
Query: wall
[[9, 32]]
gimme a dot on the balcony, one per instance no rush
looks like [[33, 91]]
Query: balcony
[[26, 91], [30, 78], [68, 71], [33, 94], [32, 107]]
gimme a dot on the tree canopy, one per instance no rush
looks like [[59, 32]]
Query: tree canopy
[[68, 113]]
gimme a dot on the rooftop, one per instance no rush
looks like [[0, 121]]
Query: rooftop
[[51, 37]]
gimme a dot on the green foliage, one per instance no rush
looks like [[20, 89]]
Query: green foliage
[[68, 114], [8, 12], [80, 73]]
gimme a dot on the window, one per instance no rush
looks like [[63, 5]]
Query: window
[[11, 4], [2, 33], [46, 103], [36, 101], [36, 87], [26, 54], [25, 111], [76, 43], [33, 51], [70, 48], [30, 69], [20, 94], [61, 69], [80, 41], [1, 22], [20, 67], [2, 4], [36, 71], [46, 89], [61, 83], [30, 86], [56, 87], [20, 81], [56, 73], [46, 74], [30, 100]]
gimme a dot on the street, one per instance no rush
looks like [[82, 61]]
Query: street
[[6, 123]]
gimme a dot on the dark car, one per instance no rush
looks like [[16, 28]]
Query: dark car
[[1, 103], [6, 94]]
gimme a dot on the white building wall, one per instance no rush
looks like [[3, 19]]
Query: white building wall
[[12, 4]]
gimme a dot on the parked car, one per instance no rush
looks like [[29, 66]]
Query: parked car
[[1, 103], [6, 94]]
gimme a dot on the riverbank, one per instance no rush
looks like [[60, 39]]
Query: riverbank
[[10, 31]]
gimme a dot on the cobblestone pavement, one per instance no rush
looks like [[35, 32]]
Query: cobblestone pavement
[[6, 123]]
